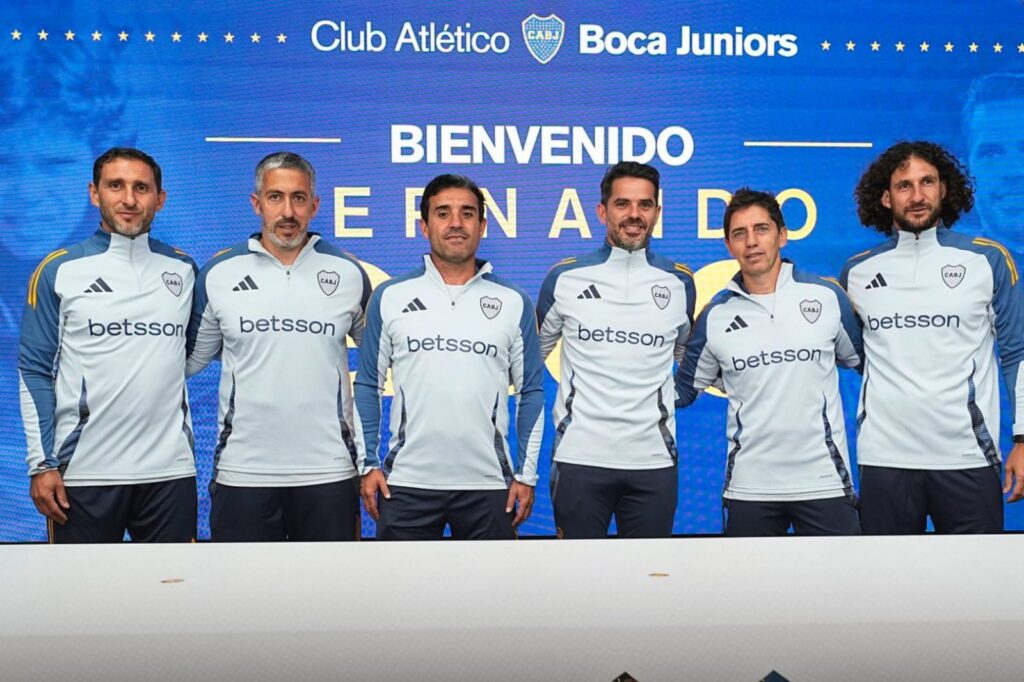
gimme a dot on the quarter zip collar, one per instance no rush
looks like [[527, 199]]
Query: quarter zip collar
[[255, 246], [119, 245], [908, 240], [785, 277], [482, 268], [615, 254]]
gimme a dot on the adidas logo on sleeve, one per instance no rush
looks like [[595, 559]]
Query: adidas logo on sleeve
[[590, 292]]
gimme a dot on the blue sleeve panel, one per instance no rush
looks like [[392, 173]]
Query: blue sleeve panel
[[200, 298], [1007, 302], [850, 321], [39, 346], [366, 393], [546, 299], [531, 387], [686, 373]]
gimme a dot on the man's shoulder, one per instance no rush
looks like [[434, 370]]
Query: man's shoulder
[[164, 249], [670, 267], [724, 298], [50, 264], [574, 263], [808, 278], [861, 258], [997, 255], [512, 287], [325, 248], [411, 279], [226, 255]]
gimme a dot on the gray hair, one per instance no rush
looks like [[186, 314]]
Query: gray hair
[[288, 160]]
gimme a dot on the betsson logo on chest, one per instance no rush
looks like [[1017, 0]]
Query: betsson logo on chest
[[286, 324], [128, 327], [611, 335], [776, 357], [444, 344]]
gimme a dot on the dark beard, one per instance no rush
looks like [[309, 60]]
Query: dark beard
[[931, 221]]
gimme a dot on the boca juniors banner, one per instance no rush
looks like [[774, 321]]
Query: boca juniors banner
[[531, 100]]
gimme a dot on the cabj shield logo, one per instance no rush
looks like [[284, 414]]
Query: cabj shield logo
[[543, 36], [328, 281], [490, 307], [172, 281], [662, 296], [952, 275], [811, 310]]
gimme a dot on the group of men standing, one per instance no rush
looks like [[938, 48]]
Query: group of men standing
[[113, 325]]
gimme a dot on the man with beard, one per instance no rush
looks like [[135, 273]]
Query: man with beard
[[102, 371], [623, 314], [454, 336], [933, 302], [773, 338], [276, 309]]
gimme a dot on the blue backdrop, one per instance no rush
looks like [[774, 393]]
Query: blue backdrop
[[532, 100]]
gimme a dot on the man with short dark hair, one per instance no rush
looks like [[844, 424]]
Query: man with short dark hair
[[102, 367], [454, 336], [772, 339], [276, 309], [933, 302], [622, 313]]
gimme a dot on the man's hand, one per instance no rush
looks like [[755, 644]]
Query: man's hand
[[47, 490], [520, 498], [1014, 477], [372, 483]]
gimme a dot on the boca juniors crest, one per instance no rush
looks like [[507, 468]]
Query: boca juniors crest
[[543, 36], [328, 281], [490, 307], [172, 281], [811, 310], [661, 296], [952, 275]]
